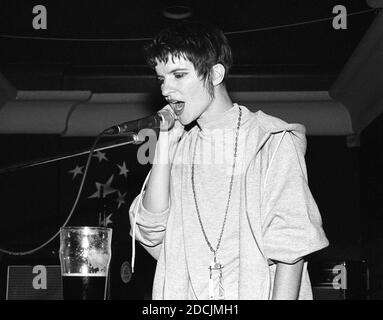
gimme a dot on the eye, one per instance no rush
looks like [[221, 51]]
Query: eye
[[179, 75]]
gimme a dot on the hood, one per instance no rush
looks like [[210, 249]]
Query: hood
[[271, 125]]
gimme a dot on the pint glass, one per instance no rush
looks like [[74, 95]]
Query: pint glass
[[85, 254]]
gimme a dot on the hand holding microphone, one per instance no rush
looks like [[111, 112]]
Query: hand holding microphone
[[166, 120], [163, 120], [175, 132]]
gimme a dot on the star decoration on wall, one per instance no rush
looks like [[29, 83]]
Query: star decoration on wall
[[123, 170], [76, 171], [121, 199], [106, 188], [106, 191], [100, 156], [105, 221]]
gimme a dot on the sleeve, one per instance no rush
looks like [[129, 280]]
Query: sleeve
[[149, 227], [292, 225]]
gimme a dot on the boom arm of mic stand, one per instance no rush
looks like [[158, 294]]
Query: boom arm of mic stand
[[131, 137]]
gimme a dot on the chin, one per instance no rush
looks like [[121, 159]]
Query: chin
[[187, 117], [184, 122]]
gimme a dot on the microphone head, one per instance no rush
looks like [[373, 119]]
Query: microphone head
[[168, 117]]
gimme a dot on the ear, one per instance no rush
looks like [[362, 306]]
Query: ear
[[218, 74]]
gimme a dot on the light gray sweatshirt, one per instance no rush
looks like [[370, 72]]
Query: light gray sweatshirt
[[276, 215]]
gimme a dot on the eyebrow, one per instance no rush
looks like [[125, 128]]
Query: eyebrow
[[176, 70], [179, 69]]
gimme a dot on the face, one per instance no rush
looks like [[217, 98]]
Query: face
[[183, 89]]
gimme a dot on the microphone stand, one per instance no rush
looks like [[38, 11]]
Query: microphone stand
[[130, 138]]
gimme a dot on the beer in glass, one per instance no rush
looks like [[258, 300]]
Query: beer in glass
[[85, 254]]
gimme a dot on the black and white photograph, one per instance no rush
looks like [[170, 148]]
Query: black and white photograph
[[185, 150]]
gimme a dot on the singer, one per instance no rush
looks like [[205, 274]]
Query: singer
[[226, 210]]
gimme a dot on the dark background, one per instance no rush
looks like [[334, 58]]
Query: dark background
[[98, 46]]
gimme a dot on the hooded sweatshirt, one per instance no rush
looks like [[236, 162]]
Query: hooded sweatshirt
[[272, 215]]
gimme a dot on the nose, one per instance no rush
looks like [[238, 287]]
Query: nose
[[167, 88]]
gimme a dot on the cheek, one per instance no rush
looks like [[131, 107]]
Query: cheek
[[199, 93]]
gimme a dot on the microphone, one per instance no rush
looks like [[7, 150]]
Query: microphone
[[163, 120]]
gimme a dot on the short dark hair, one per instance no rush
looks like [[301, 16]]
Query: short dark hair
[[202, 44]]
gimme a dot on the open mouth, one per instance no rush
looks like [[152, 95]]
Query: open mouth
[[177, 106]]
